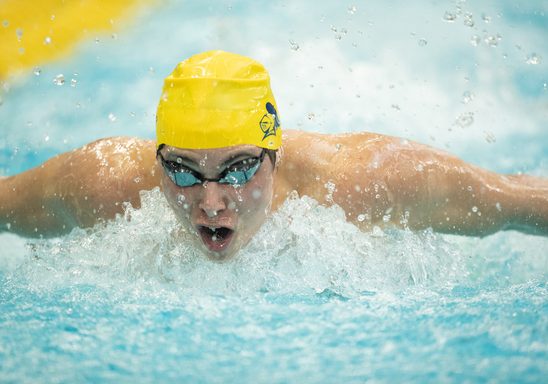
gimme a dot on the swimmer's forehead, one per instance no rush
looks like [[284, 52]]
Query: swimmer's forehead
[[221, 154]]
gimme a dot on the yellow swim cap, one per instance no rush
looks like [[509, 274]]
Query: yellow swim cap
[[218, 99]]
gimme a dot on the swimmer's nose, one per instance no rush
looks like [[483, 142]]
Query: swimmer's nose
[[212, 202]]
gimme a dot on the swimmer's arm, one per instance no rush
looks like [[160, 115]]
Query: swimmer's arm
[[78, 188], [428, 188]]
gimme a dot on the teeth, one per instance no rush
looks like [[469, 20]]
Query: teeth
[[213, 228]]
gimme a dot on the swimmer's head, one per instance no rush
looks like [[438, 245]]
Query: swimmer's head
[[217, 131], [218, 99]]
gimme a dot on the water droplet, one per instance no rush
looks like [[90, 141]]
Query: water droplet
[[419, 167], [59, 79], [185, 206], [469, 188], [498, 206], [533, 59], [111, 117], [467, 97], [493, 41], [377, 232], [8, 226], [46, 139], [490, 137], [485, 18], [52, 17], [5, 23], [47, 40], [361, 217], [231, 205], [19, 33], [474, 209], [181, 199], [137, 180], [475, 40], [449, 16], [114, 36], [256, 194], [386, 218], [293, 45], [468, 20], [352, 9], [37, 71], [311, 116], [73, 82], [465, 120], [422, 42]]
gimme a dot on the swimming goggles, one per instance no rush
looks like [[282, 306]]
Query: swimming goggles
[[236, 174]]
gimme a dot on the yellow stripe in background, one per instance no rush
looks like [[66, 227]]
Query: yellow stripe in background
[[33, 32]]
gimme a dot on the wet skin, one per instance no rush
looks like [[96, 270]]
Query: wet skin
[[223, 217], [377, 180]]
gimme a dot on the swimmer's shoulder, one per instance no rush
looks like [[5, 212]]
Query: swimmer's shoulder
[[114, 168], [310, 159], [296, 140], [325, 150]]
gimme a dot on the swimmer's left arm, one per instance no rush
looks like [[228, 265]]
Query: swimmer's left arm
[[394, 182], [429, 188]]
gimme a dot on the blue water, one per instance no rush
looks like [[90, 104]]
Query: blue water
[[311, 299]]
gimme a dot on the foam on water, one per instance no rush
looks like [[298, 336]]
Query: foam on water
[[304, 248]]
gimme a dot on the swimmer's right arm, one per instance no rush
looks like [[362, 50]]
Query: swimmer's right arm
[[78, 188]]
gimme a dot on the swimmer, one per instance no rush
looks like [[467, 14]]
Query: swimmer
[[219, 160]]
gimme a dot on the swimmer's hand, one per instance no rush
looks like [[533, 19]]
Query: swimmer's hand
[[78, 188]]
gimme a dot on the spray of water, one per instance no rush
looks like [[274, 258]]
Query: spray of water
[[304, 248]]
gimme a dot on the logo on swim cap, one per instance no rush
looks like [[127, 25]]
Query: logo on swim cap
[[269, 122]]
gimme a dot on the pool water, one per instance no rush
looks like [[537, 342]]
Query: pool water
[[311, 299]]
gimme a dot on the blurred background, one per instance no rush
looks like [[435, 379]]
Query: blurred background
[[467, 77]]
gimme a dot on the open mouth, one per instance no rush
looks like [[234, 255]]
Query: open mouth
[[215, 238]]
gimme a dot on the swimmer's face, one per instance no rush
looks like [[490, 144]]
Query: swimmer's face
[[223, 216]]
